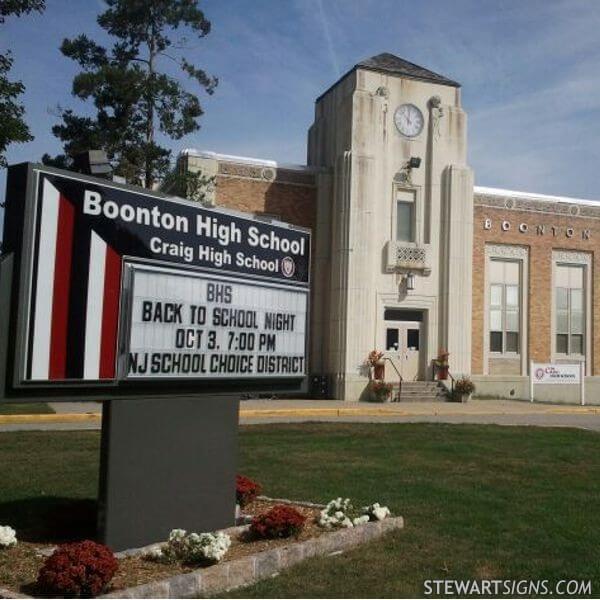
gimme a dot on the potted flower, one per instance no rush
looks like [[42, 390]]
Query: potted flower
[[463, 388], [376, 361], [381, 391], [441, 364]]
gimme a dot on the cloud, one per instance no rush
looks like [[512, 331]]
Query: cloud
[[530, 73], [328, 39]]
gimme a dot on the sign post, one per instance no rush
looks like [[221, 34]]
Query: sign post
[[557, 374], [166, 311]]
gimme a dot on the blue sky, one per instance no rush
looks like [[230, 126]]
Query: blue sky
[[530, 72]]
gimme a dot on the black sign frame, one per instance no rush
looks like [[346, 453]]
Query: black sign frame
[[21, 234]]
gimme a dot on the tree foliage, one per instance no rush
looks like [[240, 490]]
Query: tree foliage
[[134, 97], [187, 184], [13, 128], [19, 7]]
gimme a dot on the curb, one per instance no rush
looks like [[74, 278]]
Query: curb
[[367, 412], [52, 418], [309, 412]]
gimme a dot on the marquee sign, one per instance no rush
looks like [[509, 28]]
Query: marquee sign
[[205, 326], [113, 284]]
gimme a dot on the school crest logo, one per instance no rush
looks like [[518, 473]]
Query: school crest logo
[[288, 266], [539, 373]]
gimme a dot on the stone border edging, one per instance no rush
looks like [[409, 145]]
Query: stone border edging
[[251, 569], [287, 501], [228, 575], [6, 593]]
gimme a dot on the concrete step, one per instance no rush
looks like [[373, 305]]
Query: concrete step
[[407, 394], [410, 386], [420, 383], [404, 398], [420, 391]]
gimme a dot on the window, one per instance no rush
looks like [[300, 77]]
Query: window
[[504, 315], [412, 339], [401, 314], [570, 309], [405, 216], [391, 339]]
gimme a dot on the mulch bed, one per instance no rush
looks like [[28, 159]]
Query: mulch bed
[[20, 564]]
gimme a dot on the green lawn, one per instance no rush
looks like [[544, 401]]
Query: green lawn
[[479, 501], [28, 408]]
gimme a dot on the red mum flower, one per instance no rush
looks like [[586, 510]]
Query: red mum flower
[[78, 570]]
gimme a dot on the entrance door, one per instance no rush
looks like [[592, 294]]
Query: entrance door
[[402, 343]]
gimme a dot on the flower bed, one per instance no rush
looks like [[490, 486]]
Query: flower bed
[[246, 490], [190, 564], [19, 564]]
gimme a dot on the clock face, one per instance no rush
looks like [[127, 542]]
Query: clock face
[[409, 120]]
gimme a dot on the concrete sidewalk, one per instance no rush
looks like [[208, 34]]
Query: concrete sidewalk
[[502, 412]]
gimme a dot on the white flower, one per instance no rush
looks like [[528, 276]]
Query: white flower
[[155, 553], [207, 546], [177, 535], [8, 536], [376, 512], [347, 523], [361, 520], [381, 512]]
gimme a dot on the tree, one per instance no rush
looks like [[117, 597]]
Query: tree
[[13, 128], [134, 98], [187, 184]]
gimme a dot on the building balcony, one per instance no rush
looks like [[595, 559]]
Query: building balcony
[[406, 256]]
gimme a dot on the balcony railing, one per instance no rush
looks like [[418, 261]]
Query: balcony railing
[[412, 257]]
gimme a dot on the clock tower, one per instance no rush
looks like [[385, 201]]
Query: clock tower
[[393, 247]]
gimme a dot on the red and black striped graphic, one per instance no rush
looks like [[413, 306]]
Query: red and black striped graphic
[[76, 292]]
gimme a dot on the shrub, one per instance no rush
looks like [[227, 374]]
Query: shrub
[[192, 548], [464, 386], [381, 390], [8, 536], [279, 522], [246, 490], [376, 512], [78, 570], [341, 513]]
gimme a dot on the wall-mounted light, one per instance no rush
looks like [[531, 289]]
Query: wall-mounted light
[[414, 162], [410, 281], [93, 162]]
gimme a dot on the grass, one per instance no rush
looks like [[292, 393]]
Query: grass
[[28, 408], [479, 501]]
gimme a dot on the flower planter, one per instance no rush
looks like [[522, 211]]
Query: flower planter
[[442, 372], [382, 397], [379, 370], [462, 397]]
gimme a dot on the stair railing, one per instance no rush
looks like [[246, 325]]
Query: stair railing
[[452, 380], [399, 377]]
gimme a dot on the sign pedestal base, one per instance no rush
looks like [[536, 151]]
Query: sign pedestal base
[[166, 464]]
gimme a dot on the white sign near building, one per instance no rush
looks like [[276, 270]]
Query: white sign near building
[[210, 326], [557, 373]]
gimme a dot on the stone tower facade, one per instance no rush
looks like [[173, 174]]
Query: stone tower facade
[[394, 225]]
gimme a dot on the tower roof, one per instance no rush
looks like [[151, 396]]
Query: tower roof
[[389, 63], [394, 65]]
